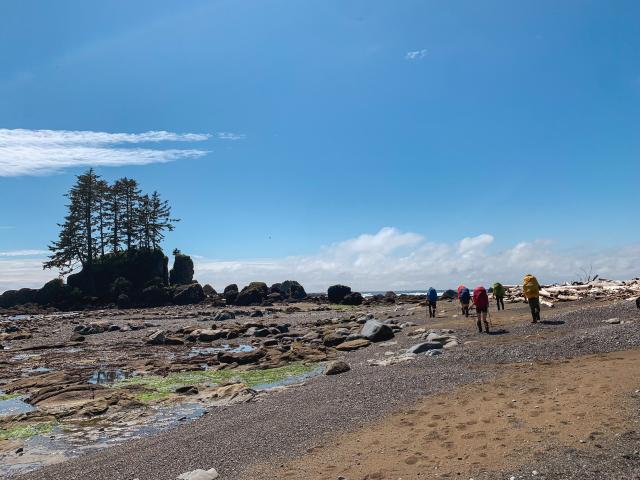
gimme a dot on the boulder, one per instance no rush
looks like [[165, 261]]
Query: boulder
[[156, 338], [123, 301], [188, 294], [209, 335], [182, 271], [449, 295], [253, 294], [354, 298], [424, 347], [353, 345], [52, 293], [224, 315], [333, 339], [241, 358], [336, 293], [209, 291], [231, 293], [257, 313], [336, 367], [376, 331], [154, 296]]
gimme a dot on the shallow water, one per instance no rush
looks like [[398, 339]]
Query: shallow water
[[291, 380], [14, 406], [197, 351], [106, 376]]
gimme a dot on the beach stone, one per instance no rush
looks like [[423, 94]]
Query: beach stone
[[432, 353], [333, 339], [224, 315], [336, 367], [173, 341], [376, 331], [209, 335], [241, 358], [451, 344], [76, 337], [199, 474], [613, 321], [353, 345], [187, 390], [424, 347], [257, 313], [156, 338]]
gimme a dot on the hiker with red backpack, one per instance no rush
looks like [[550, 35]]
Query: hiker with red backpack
[[465, 297], [531, 291], [481, 301]]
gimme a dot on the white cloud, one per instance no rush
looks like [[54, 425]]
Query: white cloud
[[38, 152], [391, 260], [416, 54], [230, 136], [23, 253]]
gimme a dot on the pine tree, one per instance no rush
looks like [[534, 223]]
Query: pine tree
[[160, 219], [130, 220], [76, 244]]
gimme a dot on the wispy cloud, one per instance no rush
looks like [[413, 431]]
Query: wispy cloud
[[416, 54], [230, 136], [23, 253], [38, 152]]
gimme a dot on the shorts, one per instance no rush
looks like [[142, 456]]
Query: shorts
[[482, 309]]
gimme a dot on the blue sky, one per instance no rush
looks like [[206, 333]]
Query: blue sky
[[387, 130]]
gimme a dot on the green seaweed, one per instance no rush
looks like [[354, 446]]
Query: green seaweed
[[158, 387], [8, 396], [26, 431]]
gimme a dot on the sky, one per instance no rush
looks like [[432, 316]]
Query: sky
[[384, 145]]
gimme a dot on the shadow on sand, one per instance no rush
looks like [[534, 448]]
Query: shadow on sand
[[552, 322], [500, 331]]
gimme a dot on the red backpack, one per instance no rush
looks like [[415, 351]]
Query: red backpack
[[480, 297]]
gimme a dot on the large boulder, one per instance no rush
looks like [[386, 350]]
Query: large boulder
[[354, 298], [449, 295], [155, 296], [253, 294], [336, 367], [289, 289], [231, 293], [336, 293], [188, 294], [376, 331], [209, 291], [424, 347], [182, 271]]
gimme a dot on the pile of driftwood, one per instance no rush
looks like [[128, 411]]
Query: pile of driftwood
[[568, 292]]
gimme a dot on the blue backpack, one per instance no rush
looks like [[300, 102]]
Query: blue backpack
[[432, 294], [465, 295]]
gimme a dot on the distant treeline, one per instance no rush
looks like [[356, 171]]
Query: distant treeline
[[105, 219]]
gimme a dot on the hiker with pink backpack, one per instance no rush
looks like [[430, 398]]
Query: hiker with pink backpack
[[481, 302]]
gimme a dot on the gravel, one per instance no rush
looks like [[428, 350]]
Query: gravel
[[287, 423]]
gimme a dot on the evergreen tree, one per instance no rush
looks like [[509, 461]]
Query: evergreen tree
[[159, 219], [130, 219], [76, 244]]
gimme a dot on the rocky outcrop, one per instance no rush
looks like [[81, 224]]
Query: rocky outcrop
[[182, 271], [188, 294], [209, 291], [354, 298], [449, 295], [336, 293], [288, 290], [231, 293], [253, 294]]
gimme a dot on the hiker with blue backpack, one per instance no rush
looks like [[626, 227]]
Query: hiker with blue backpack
[[465, 298], [432, 301]]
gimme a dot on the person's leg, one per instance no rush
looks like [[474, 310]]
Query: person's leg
[[484, 319], [479, 322], [435, 307], [502, 302], [533, 307]]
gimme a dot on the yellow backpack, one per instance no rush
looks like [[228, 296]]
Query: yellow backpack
[[530, 287]]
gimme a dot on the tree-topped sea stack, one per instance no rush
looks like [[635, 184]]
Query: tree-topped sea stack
[[182, 271]]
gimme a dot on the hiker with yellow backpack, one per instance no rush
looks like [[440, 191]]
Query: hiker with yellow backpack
[[531, 290], [498, 293]]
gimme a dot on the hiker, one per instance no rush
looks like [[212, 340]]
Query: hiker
[[432, 300], [638, 302], [498, 293], [465, 297], [481, 301], [531, 291]]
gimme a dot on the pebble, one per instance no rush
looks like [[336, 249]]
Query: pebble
[[199, 474]]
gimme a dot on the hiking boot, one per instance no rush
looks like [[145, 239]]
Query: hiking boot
[[486, 327]]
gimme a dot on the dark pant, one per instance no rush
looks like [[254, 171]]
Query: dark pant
[[465, 309], [500, 302], [432, 309], [534, 305]]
